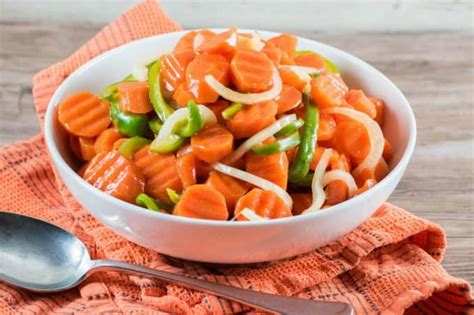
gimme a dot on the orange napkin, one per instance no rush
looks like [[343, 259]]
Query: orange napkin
[[389, 264]]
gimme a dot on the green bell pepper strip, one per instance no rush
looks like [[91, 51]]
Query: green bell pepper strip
[[193, 124], [291, 128], [171, 144], [162, 109], [281, 145], [230, 111], [155, 125], [143, 200], [173, 195], [128, 124], [300, 167], [132, 145], [110, 93]]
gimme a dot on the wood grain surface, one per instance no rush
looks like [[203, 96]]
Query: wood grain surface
[[434, 70]]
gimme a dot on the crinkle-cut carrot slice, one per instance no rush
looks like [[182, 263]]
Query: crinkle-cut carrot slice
[[289, 98], [173, 68], [74, 146], [134, 97], [160, 172], [326, 128], [223, 44], [187, 41], [328, 90], [265, 203], [381, 170], [84, 114], [217, 108], [202, 65], [251, 71], [186, 165], [252, 118], [359, 101], [312, 60], [273, 53], [367, 185], [286, 43], [87, 148], [273, 167], [387, 153], [301, 202], [182, 95], [289, 77], [212, 143], [352, 139], [380, 108], [116, 175], [105, 141], [202, 202], [231, 188]]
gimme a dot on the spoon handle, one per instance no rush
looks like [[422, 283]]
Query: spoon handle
[[264, 301]]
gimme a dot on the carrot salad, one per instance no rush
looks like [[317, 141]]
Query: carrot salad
[[229, 126]]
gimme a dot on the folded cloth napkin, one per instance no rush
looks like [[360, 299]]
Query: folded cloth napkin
[[388, 265]]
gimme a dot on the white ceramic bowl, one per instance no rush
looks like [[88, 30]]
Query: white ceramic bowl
[[230, 242]]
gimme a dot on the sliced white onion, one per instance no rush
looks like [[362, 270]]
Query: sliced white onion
[[304, 73], [316, 185], [207, 115], [376, 138], [254, 180], [246, 98], [254, 42], [251, 215], [259, 137], [340, 175]]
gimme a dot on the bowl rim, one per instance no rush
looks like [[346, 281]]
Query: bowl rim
[[59, 161]]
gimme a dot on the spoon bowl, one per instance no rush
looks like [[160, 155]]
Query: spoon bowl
[[42, 257]]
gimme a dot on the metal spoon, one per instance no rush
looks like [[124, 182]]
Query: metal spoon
[[42, 257]]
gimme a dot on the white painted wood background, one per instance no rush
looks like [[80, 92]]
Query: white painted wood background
[[298, 15]]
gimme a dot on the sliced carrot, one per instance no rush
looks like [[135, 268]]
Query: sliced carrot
[[316, 157], [291, 154], [301, 202], [380, 108], [273, 167], [202, 65], [291, 78], [328, 90], [116, 175], [288, 99], [251, 71], [232, 189], [160, 172], [265, 203], [202, 202], [326, 128], [217, 108], [187, 41], [173, 68], [83, 168], [336, 192], [182, 95], [223, 43], [312, 60], [84, 114], [134, 97], [387, 151], [360, 102], [252, 118], [287, 44], [381, 170], [351, 138], [74, 145], [105, 141], [273, 53], [87, 148], [186, 165], [117, 144], [212, 143]]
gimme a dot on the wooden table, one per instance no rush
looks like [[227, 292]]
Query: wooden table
[[434, 70]]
